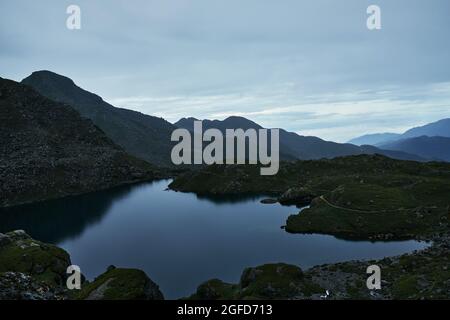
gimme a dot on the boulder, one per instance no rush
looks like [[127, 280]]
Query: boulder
[[43, 262], [300, 196], [121, 284]]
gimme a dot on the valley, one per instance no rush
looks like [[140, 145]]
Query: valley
[[78, 172]]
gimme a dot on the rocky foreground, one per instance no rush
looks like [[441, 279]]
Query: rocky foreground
[[32, 270], [421, 275], [48, 150], [358, 197]]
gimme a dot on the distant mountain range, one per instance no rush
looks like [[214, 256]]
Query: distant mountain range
[[433, 148], [47, 150], [375, 139], [294, 146], [141, 135], [439, 128], [57, 139], [148, 137], [430, 141]]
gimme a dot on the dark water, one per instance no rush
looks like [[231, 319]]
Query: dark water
[[181, 240]]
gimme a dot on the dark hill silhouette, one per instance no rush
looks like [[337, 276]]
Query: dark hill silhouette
[[141, 135], [47, 150], [435, 148], [296, 146], [439, 128]]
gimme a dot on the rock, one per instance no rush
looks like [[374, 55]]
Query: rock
[[32, 270], [271, 281], [300, 196], [213, 290], [121, 284], [43, 262], [48, 150], [4, 239], [20, 286], [111, 267]]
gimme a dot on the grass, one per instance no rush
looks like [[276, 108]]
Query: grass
[[44, 262], [269, 281], [118, 284], [365, 197]]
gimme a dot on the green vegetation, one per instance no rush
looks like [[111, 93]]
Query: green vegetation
[[420, 275], [366, 196], [270, 281], [44, 262], [120, 284]]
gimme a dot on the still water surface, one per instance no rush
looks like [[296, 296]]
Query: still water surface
[[179, 239]]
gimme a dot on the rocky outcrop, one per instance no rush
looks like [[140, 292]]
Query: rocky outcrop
[[299, 196], [21, 286], [140, 135], [270, 281], [47, 150], [43, 262], [121, 284], [423, 274], [32, 270]]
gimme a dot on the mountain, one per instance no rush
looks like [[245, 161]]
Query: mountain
[[439, 128], [141, 135], [294, 146], [437, 148], [47, 150], [374, 139]]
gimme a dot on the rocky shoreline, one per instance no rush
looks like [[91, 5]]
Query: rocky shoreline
[[48, 151], [357, 197], [32, 270], [423, 274]]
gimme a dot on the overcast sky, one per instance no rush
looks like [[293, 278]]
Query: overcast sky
[[311, 67]]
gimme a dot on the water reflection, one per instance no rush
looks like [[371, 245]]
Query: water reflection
[[179, 239], [57, 220]]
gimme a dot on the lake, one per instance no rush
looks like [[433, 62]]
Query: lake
[[180, 239]]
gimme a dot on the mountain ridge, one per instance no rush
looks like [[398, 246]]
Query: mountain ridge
[[435, 148], [296, 146], [48, 150], [437, 128], [141, 135]]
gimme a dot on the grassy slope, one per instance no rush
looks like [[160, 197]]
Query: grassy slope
[[358, 196]]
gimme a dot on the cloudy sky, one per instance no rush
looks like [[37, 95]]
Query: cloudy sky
[[311, 67]]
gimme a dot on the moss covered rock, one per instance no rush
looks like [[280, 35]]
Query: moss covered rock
[[216, 289], [121, 284], [269, 281], [43, 262]]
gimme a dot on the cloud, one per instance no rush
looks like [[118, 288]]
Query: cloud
[[308, 66]]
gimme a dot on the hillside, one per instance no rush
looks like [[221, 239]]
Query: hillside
[[437, 148], [374, 139], [439, 128], [141, 135], [48, 150], [364, 197], [294, 146]]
